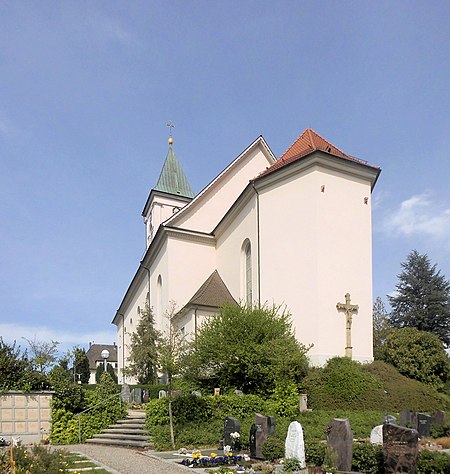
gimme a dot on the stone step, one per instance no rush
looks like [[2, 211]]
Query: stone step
[[136, 413], [125, 431], [135, 437], [129, 426], [119, 442], [134, 421]]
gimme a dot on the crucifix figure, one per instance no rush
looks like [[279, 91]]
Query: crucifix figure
[[348, 309]]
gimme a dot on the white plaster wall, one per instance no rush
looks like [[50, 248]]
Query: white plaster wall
[[190, 263], [208, 209], [229, 250], [187, 321], [315, 247]]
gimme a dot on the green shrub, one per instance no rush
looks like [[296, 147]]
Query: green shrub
[[314, 452], [273, 448], [291, 465], [367, 458], [65, 423], [37, 459], [402, 393], [285, 400], [342, 383], [433, 463]]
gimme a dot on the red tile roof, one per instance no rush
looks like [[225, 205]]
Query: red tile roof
[[308, 142]]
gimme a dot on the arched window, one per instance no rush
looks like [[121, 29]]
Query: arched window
[[159, 298], [247, 272]]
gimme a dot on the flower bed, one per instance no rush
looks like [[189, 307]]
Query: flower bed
[[198, 460]]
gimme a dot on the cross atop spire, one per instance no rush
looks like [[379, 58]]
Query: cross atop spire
[[170, 125]]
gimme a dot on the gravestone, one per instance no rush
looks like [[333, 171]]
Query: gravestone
[[376, 435], [265, 426], [389, 419], [439, 418], [162, 394], [255, 445], [304, 402], [423, 425], [196, 393], [231, 425], [175, 393], [407, 418], [216, 391], [295, 444], [340, 440], [239, 393], [125, 393], [145, 396], [136, 395], [400, 449]]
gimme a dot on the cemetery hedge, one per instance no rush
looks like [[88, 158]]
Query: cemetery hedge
[[376, 386]]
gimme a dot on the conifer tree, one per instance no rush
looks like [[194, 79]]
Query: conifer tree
[[422, 298], [81, 365], [142, 361]]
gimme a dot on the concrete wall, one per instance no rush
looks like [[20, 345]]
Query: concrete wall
[[25, 415]]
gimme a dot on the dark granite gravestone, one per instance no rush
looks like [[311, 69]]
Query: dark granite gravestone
[[231, 425], [423, 425], [255, 435], [407, 419], [265, 427], [400, 449], [340, 440], [439, 418]]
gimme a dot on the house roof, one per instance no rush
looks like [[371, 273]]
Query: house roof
[[308, 142], [213, 293], [94, 353], [172, 179]]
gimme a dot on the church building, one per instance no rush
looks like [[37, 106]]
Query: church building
[[294, 231]]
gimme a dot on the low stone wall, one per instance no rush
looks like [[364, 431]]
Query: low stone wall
[[25, 415]]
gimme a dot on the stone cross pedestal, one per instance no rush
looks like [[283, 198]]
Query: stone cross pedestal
[[348, 309]]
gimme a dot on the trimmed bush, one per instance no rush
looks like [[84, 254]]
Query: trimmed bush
[[273, 448]]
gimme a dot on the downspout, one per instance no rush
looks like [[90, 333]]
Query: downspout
[[148, 273], [195, 324], [258, 238]]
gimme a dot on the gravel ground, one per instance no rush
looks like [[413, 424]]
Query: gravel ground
[[119, 460]]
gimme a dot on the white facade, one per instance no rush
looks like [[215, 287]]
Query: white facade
[[294, 232]]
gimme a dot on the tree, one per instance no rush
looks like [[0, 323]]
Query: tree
[[13, 365], [381, 327], [43, 354], [81, 365], [423, 298], [101, 370], [142, 359], [171, 350], [418, 355], [252, 349]]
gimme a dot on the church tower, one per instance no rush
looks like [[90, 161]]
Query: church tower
[[171, 193]]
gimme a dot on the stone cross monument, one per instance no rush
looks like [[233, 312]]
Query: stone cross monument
[[348, 309]]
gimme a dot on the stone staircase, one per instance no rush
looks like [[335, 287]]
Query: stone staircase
[[128, 432]]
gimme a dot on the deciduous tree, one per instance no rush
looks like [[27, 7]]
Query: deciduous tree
[[251, 349], [418, 355], [381, 327]]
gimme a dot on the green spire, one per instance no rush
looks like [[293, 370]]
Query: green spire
[[172, 179]]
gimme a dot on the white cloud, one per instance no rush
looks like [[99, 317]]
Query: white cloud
[[14, 332], [112, 29], [419, 215]]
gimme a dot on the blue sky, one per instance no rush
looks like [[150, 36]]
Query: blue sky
[[86, 91]]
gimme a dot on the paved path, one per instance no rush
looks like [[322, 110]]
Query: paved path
[[119, 460]]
